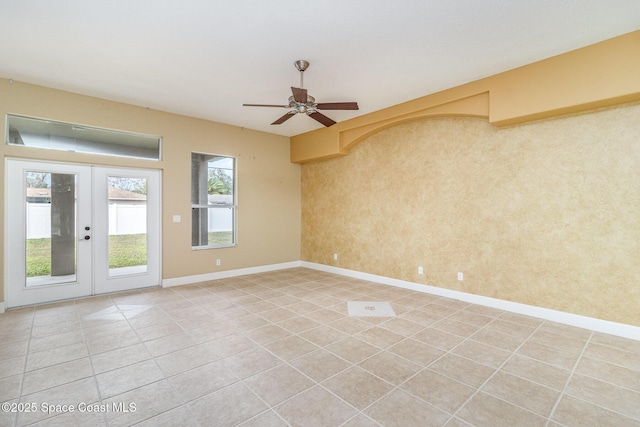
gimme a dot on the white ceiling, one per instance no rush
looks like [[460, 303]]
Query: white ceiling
[[205, 58]]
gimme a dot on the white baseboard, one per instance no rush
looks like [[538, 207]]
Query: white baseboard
[[187, 280], [598, 325]]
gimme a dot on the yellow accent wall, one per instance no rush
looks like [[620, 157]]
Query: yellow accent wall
[[268, 183], [545, 213]]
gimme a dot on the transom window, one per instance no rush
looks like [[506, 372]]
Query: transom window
[[52, 135]]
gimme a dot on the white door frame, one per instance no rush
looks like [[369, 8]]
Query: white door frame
[[90, 213]]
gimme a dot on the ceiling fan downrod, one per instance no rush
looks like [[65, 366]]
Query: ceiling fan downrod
[[301, 65]]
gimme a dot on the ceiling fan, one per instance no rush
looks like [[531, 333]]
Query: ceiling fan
[[302, 102]]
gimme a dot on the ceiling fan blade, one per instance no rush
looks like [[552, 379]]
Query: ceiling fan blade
[[299, 94], [322, 119], [337, 106], [283, 118], [264, 105]]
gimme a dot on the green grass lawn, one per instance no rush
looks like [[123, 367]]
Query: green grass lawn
[[124, 251]]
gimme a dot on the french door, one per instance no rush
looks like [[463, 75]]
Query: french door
[[77, 230]]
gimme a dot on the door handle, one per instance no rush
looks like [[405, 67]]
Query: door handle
[[85, 238]]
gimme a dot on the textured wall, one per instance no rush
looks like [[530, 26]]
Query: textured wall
[[546, 214]]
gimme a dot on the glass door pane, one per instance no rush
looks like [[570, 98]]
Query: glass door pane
[[50, 219], [127, 225]]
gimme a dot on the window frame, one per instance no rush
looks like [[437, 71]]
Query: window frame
[[233, 205]]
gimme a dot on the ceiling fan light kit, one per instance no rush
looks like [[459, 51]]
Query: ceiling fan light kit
[[302, 102]]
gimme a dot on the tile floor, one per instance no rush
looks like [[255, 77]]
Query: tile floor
[[278, 348]]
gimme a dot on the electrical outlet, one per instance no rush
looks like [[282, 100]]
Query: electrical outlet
[[335, 257], [420, 270], [460, 276], [217, 262]]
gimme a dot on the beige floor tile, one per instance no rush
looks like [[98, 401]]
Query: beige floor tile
[[379, 337], [185, 359], [56, 355], [616, 342], [390, 367], [608, 372], [400, 409], [229, 345], [438, 390], [531, 396], [298, 324], [265, 419], [320, 364], [566, 330], [357, 387], [113, 328], [462, 369], [128, 378], [83, 390], [484, 410], [169, 344], [416, 351], [360, 420], [112, 342], [10, 387], [315, 407], [550, 355], [578, 413], [325, 316], [536, 371], [568, 344], [198, 382], [12, 366], [350, 325], [279, 384], [437, 338], [466, 316], [278, 314], [521, 319], [510, 328], [227, 407], [51, 341], [421, 316], [75, 418], [45, 330], [251, 362], [150, 400], [291, 347], [119, 358], [402, 326], [622, 400], [180, 416], [498, 339], [613, 355], [323, 335], [267, 334], [153, 332], [482, 353], [353, 349], [269, 337], [461, 329], [56, 375]]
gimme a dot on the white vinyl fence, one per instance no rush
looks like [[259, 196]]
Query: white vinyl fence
[[124, 218]]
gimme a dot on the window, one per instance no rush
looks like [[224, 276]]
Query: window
[[213, 201], [51, 135]]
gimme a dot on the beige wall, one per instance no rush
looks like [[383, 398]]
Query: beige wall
[[268, 184], [546, 213]]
